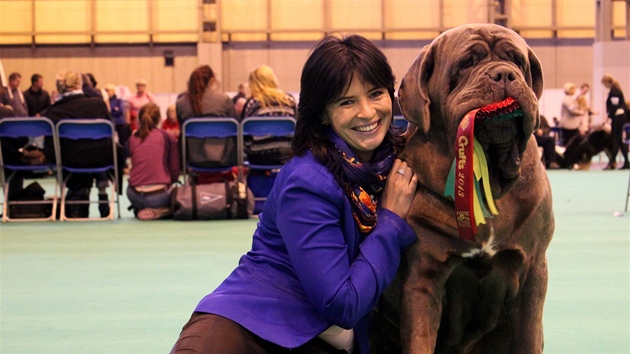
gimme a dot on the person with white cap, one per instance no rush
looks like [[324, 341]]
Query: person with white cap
[[138, 100]]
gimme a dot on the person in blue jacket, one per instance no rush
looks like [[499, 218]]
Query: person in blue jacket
[[333, 228]]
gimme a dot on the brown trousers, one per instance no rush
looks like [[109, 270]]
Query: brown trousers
[[207, 333]]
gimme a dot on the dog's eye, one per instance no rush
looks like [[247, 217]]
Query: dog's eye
[[466, 64], [518, 60]]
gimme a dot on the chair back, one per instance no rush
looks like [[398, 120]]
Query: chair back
[[268, 126], [26, 127], [76, 129], [221, 128], [23, 127], [400, 121], [92, 129]]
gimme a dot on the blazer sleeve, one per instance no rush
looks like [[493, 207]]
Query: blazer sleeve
[[310, 221]]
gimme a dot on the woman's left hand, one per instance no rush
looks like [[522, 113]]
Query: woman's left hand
[[399, 189]]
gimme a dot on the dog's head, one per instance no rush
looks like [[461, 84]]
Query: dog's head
[[469, 67]]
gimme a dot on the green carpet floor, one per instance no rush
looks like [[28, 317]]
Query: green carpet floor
[[129, 286]]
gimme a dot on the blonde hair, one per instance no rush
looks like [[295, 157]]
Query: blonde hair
[[581, 102], [263, 86], [171, 109], [68, 80], [568, 87], [608, 79], [149, 118]]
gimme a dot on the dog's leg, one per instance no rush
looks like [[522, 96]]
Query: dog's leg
[[422, 293], [528, 332]]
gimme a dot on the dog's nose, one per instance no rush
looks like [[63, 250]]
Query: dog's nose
[[502, 74]]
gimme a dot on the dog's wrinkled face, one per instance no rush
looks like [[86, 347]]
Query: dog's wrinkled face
[[470, 67]]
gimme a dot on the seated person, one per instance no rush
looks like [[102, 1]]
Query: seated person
[[267, 100], [547, 143], [154, 166], [74, 104]]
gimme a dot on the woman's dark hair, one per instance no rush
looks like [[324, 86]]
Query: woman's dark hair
[[197, 85], [326, 76]]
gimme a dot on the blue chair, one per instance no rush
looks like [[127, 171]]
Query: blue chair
[[94, 129], [400, 121], [220, 145], [261, 176], [11, 128]]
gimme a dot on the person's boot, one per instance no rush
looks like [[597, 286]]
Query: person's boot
[[103, 205], [610, 166], [77, 210]]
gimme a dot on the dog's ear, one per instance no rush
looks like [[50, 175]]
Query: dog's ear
[[536, 73], [413, 95]]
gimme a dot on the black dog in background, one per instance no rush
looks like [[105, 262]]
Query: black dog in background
[[582, 148]]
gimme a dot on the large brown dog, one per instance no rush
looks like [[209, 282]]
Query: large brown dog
[[452, 295]]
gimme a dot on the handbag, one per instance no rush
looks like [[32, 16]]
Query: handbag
[[223, 200]]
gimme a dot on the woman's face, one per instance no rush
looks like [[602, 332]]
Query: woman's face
[[361, 117]]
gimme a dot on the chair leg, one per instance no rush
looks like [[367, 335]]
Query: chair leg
[[627, 194], [5, 205]]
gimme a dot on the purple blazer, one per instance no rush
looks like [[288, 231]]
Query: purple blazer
[[309, 267]]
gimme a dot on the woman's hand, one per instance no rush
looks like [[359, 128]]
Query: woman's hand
[[400, 189]]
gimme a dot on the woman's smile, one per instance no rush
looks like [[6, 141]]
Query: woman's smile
[[367, 129], [361, 117]]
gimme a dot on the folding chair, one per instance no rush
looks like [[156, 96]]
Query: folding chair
[[94, 129], [217, 129], [20, 128], [261, 176], [400, 121]]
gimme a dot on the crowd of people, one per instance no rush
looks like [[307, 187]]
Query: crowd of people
[[577, 128], [137, 120]]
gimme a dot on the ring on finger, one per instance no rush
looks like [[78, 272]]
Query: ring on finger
[[401, 171]]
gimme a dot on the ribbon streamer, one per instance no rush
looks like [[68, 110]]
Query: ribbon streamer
[[468, 173]]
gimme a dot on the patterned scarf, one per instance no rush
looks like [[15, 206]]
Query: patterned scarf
[[363, 182]]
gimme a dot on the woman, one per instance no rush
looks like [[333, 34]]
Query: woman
[[615, 109], [171, 124], [330, 237], [117, 111], [267, 100], [154, 166], [204, 97], [570, 115]]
